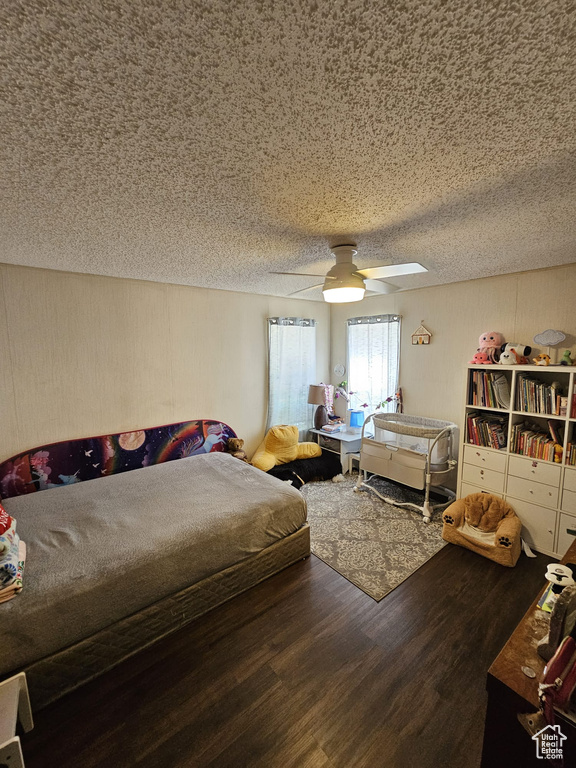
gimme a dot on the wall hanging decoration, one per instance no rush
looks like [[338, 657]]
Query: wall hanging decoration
[[339, 370], [421, 335]]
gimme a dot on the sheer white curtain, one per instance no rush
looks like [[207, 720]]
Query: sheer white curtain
[[291, 369], [373, 359]]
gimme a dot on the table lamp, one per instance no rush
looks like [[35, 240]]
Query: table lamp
[[317, 396]]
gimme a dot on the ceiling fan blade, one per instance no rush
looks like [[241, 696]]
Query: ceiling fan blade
[[298, 274], [392, 270], [376, 286], [303, 290]]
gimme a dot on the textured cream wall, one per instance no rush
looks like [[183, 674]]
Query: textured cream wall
[[84, 354], [87, 355], [432, 377]]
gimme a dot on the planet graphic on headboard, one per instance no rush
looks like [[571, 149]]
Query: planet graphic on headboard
[[130, 441]]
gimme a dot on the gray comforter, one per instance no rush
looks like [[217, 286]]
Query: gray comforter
[[103, 549]]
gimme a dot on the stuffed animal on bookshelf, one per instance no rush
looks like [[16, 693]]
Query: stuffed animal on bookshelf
[[509, 357], [522, 351], [541, 359], [566, 359], [491, 343], [558, 450], [480, 358]]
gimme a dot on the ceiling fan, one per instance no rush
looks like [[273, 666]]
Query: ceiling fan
[[346, 283]]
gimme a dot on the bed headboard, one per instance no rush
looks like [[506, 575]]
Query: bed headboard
[[71, 461]]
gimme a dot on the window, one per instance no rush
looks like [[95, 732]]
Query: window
[[373, 359], [291, 369]]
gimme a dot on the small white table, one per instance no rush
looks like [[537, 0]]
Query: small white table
[[343, 443]]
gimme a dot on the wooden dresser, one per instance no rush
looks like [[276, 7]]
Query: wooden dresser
[[510, 692]]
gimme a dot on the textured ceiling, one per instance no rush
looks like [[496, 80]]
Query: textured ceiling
[[207, 143]]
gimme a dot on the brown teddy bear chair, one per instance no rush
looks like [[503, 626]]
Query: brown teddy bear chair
[[485, 524]]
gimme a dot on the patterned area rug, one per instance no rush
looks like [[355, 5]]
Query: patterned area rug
[[374, 545]]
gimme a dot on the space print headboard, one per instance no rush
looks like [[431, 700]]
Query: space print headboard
[[72, 461]]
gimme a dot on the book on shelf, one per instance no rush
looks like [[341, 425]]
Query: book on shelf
[[530, 440], [573, 409], [535, 396], [489, 389], [487, 430], [502, 390], [556, 432]]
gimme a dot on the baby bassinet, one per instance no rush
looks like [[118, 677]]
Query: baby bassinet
[[413, 450]]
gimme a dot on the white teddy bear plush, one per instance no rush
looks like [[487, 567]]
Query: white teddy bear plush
[[508, 358], [522, 351]]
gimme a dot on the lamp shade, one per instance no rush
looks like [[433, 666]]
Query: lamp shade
[[316, 395]]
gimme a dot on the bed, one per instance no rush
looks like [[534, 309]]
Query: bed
[[115, 564]]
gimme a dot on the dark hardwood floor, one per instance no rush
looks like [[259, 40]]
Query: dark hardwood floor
[[306, 671]]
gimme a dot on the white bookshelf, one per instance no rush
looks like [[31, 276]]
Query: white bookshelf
[[542, 492]]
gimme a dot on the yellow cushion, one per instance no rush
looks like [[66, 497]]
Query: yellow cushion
[[281, 446]]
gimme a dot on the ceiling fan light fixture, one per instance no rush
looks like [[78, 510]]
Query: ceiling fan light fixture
[[343, 284], [343, 294]]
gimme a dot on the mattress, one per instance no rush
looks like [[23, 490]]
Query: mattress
[[102, 550], [53, 676]]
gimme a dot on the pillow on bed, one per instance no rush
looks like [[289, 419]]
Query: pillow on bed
[[281, 446]]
